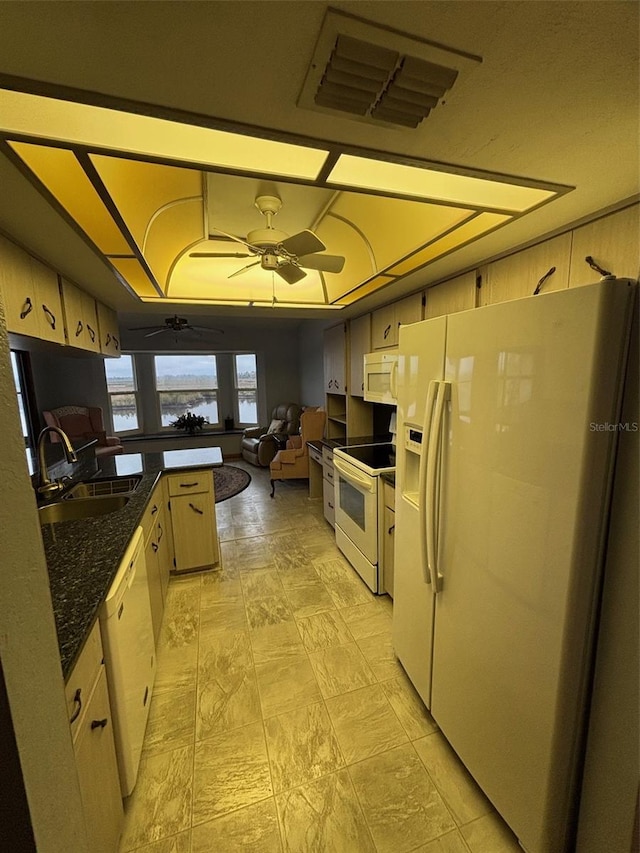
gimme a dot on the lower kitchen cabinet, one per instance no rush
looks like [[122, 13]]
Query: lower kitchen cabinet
[[193, 520], [92, 732], [388, 538], [328, 489], [156, 555]]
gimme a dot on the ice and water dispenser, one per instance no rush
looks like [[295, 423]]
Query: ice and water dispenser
[[412, 445]]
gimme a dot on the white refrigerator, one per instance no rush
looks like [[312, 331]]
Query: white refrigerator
[[507, 423]]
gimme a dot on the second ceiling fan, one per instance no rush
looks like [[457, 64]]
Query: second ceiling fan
[[277, 251]]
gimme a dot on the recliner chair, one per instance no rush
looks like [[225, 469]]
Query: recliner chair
[[260, 444], [83, 422]]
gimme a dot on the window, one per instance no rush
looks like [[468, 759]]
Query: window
[[246, 388], [187, 383], [123, 393], [21, 391]]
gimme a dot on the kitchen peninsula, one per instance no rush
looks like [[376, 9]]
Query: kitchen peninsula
[[83, 556]]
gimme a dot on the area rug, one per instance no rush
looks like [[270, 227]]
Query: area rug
[[229, 481]]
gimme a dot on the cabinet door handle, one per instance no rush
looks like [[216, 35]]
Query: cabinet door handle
[[92, 334], [51, 317], [98, 724], [188, 485], [161, 534], [107, 340], [386, 332], [330, 504], [391, 529], [195, 509], [28, 308], [78, 702], [154, 546], [154, 509], [116, 342], [79, 328]]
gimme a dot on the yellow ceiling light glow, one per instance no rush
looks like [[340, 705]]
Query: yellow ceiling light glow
[[415, 181], [130, 133]]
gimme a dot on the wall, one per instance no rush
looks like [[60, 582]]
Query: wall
[[311, 346], [64, 380], [29, 647]]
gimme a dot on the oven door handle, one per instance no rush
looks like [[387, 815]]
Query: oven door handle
[[348, 473]]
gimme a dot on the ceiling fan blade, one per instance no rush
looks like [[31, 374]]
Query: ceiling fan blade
[[303, 243], [324, 263], [143, 328], [290, 273], [207, 329], [220, 255], [244, 269], [158, 331], [254, 249]]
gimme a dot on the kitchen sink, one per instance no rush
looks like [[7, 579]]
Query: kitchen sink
[[101, 487], [80, 508]]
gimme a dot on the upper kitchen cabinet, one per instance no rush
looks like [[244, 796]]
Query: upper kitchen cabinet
[[386, 321], [613, 244], [359, 345], [449, 297], [109, 333], [335, 359], [31, 295], [518, 275], [81, 318]]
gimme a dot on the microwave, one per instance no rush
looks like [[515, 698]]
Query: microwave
[[380, 377]]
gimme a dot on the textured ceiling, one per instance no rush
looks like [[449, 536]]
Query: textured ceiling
[[555, 98]]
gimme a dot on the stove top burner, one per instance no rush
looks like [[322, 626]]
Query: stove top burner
[[375, 457]]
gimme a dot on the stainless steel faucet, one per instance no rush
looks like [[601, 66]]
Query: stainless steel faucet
[[48, 487]]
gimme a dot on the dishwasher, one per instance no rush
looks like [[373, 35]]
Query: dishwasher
[[129, 649]]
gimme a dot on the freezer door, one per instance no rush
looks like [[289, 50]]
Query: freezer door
[[420, 360], [524, 500]]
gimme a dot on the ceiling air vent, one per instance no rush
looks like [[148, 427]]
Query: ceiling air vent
[[376, 74]]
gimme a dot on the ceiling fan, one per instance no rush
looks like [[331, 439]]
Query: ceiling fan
[[276, 250], [174, 324]]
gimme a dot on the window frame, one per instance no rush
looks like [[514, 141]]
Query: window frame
[[240, 424], [162, 428], [21, 367], [135, 393]]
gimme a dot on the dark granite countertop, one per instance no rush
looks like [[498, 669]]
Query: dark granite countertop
[[83, 556]]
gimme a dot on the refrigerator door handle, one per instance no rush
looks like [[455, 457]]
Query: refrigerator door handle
[[422, 477], [430, 496], [393, 380]]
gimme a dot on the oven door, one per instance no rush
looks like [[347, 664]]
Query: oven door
[[356, 500]]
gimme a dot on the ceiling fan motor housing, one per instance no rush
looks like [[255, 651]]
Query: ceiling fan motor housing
[[269, 261], [265, 237]]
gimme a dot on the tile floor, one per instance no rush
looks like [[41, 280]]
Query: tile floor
[[281, 720]]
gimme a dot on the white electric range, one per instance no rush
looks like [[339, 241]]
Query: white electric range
[[357, 503]]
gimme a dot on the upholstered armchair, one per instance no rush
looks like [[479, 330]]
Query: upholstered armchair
[[83, 423], [292, 463], [260, 444]]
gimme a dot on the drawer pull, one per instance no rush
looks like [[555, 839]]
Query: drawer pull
[[28, 308], [330, 504], [98, 724], [189, 485], [161, 533], [154, 509], [195, 509], [79, 328], [78, 702], [51, 317]]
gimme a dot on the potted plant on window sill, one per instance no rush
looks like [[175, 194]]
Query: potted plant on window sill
[[190, 423]]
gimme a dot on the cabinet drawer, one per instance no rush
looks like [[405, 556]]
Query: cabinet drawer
[[80, 684], [189, 483], [389, 496], [328, 496], [152, 513], [316, 455]]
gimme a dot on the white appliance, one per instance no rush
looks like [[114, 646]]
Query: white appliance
[[505, 454], [357, 471], [380, 370], [127, 639]]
